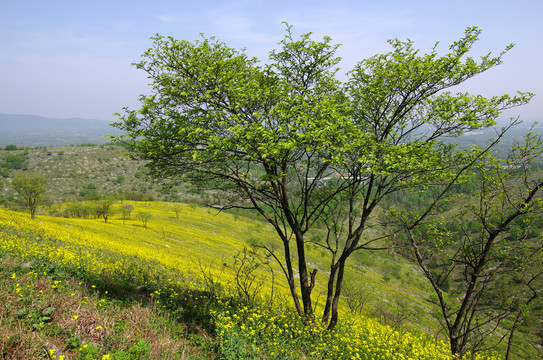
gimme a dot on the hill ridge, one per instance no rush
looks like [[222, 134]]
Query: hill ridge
[[36, 131]]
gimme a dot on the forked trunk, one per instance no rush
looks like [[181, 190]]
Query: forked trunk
[[329, 294], [455, 346], [337, 294], [290, 280], [335, 281], [305, 283]]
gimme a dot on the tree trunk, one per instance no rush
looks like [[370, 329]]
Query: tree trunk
[[305, 285], [455, 345], [329, 294], [335, 302], [290, 279]]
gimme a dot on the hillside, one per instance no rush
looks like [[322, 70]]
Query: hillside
[[171, 259], [84, 172], [481, 137], [78, 173], [102, 169], [187, 239], [183, 250]]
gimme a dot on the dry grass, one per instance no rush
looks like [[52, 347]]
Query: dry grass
[[82, 321]]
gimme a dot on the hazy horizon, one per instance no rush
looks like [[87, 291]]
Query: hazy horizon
[[67, 59]]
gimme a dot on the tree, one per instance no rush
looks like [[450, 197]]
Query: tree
[[126, 210], [103, 209], [177, 209], [15, 161], [30, 187], [304, 150], [144, 216], [494, 254]]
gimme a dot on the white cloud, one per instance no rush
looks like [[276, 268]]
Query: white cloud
[[240, 30], [237, 25], [169, 19]]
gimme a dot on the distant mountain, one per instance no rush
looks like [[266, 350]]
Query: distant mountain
[[34, 131], [37, 131]]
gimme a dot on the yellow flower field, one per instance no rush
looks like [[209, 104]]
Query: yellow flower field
[[177, 244], [203, 240]]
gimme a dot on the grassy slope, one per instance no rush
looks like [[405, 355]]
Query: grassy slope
[[384, 285], [49, 314], [204, 236], [70, 169], [199, 236]]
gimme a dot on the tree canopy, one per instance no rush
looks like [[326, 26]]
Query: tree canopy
[[31, 188], [313, 155]]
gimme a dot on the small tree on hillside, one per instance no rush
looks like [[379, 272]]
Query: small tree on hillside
[[144, 217], [31, 187], [304, 150], [126, 210], [177, 209], [103, 209]]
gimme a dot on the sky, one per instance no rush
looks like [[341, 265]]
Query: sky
[[73, 58]]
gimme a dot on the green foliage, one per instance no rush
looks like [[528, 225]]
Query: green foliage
[[144, 216], [488, 254], [89, 192], [33, 317], [31, 187], [10, 147], [103, 209], [15, 161], [308, 152], [126, 210], [138, 196], [140, 350], [79, 209]]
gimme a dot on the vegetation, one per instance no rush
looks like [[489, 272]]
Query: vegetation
[[31, 188], [490, 249], [315, 157], [461, 267], [11, 147], [88, 172], [396, 295], [132, 295], [144, 217], [49, 314], [13, 162]]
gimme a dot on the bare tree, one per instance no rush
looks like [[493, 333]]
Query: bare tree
[[490, 258]]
